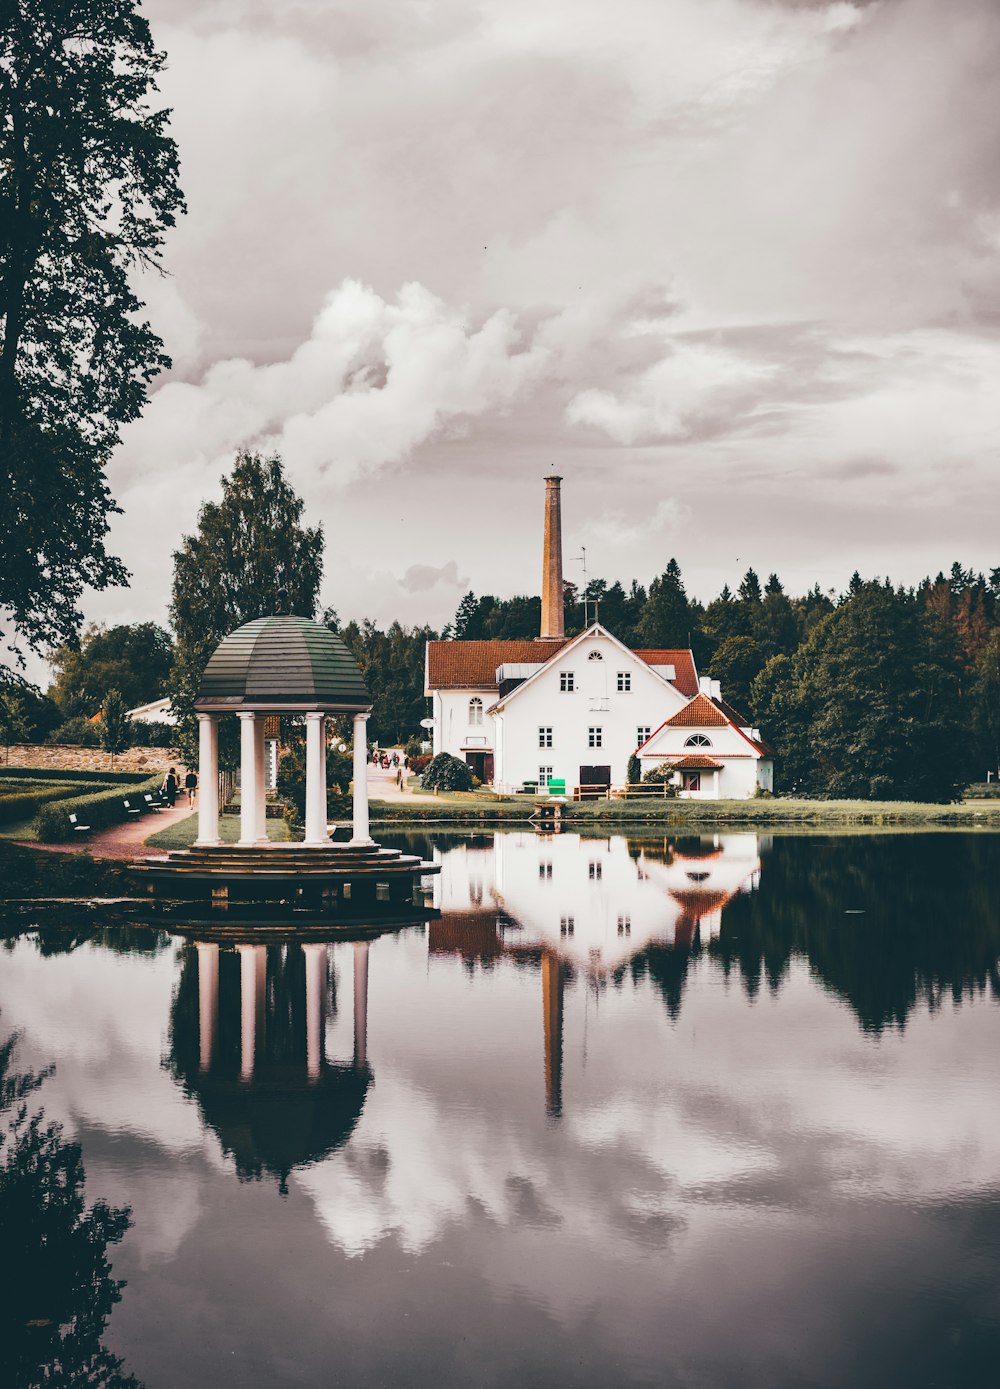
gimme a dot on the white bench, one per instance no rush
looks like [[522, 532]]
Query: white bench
[[131, 809], [77, 827]]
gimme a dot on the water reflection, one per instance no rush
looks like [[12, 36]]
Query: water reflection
[[59, 1292], [248, 1042]]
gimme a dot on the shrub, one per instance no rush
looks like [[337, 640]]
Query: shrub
[[292, 783], [447, 773], [77, 732], [413, 747], [116, 726], [152, 734], [18, 805], [70, 774], [420, 763], [98, 809], [662, 776], [633, 772]]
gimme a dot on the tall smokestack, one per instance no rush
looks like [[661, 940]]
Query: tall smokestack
[[552, 575]]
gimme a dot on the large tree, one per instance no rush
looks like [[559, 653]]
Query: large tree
[[667, 618], [133, 658], [88, 185], [249, 557]]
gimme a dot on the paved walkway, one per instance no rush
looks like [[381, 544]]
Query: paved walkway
[[382, 786], [121, 841]]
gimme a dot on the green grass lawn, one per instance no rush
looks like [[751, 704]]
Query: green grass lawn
[[182, 833], [453, 807]]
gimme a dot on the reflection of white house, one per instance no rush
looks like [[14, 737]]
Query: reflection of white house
[[598, 902], [540, 711], [712, 750]]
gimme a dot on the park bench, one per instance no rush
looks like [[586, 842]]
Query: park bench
[[77, 827], [131, 809], [153, 802]]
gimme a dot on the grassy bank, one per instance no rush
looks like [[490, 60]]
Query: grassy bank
[[182, 833], [479, 810]]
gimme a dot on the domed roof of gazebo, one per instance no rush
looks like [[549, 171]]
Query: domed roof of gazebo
[[282, 663]]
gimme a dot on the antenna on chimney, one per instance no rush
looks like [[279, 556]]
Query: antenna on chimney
[[581, 558]]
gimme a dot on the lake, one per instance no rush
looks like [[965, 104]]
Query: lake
[[699, 1111]]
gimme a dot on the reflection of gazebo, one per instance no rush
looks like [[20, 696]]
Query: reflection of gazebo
[[253, 1053], [282, 665], [279, 665]]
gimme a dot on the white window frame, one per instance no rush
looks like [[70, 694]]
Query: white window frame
[[624, 682], [545, 735], [595, 656], [698, 740], [544, 777], [475, 712], [643, 734], [566, 682], [595, 736]]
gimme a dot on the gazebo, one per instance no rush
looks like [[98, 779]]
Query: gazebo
[[279, 665], [284, 665]]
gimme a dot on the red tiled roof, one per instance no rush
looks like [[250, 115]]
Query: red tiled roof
[[472, 665], [686, 678], [702, 712], [696, 761]]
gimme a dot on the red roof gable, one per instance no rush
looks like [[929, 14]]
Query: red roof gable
[[702, 712], [472, 665]]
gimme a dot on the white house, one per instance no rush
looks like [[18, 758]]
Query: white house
[[570, 712], [713, 751]]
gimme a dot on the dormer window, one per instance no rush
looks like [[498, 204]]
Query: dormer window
[[697, 740], [475, 711], [595, 656]]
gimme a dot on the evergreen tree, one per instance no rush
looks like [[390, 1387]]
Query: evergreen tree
[[666, 619], [749, 590], [88, 187], [248, 557]]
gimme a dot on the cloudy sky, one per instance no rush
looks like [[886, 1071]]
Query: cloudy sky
[[729, 266]]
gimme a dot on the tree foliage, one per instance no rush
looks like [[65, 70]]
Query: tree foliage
[[116, 726], [392, 663], [447, 773], [134, 659], [88, 187], [250, 557]]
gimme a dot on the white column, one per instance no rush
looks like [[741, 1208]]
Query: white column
[[360, 1004], [360, 833], [248, 779], [316, 834], [322, 767], [208, 781], [208, 1002], [315, 979], [253, 967], [260, 782]]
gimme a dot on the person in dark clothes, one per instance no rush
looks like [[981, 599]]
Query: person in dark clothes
[[170, 785], [191, 785]]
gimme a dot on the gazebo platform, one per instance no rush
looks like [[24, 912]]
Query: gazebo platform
[[338, 878]]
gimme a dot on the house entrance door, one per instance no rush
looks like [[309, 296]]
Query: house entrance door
[[481, 766], [594, 781]]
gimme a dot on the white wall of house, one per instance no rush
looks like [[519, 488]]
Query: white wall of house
[[598, 664], [743, 769], [456, 729]]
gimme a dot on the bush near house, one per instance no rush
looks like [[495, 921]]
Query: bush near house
[[420, 763], [447, 773], [98, 810], [661, 776]]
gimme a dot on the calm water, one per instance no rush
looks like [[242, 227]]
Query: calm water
[[693, 1112]]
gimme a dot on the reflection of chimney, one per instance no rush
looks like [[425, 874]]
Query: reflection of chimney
[[360, 1004], [552, 575], [553, 978]]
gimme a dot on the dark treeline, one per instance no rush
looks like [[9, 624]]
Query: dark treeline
[[880, 692], [869, 919]]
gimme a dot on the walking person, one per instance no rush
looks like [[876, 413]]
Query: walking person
[[170, 786], [191, 784]]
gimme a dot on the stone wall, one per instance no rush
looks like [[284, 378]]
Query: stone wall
[[62, 757]]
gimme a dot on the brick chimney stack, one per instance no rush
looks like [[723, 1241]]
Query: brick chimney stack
[[552, 572]]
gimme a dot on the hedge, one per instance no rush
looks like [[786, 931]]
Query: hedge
[[64, 774], [18, 805], [98, 810]]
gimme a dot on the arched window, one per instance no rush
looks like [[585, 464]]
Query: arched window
[[697, 740], [595, 656], [475, 710]]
